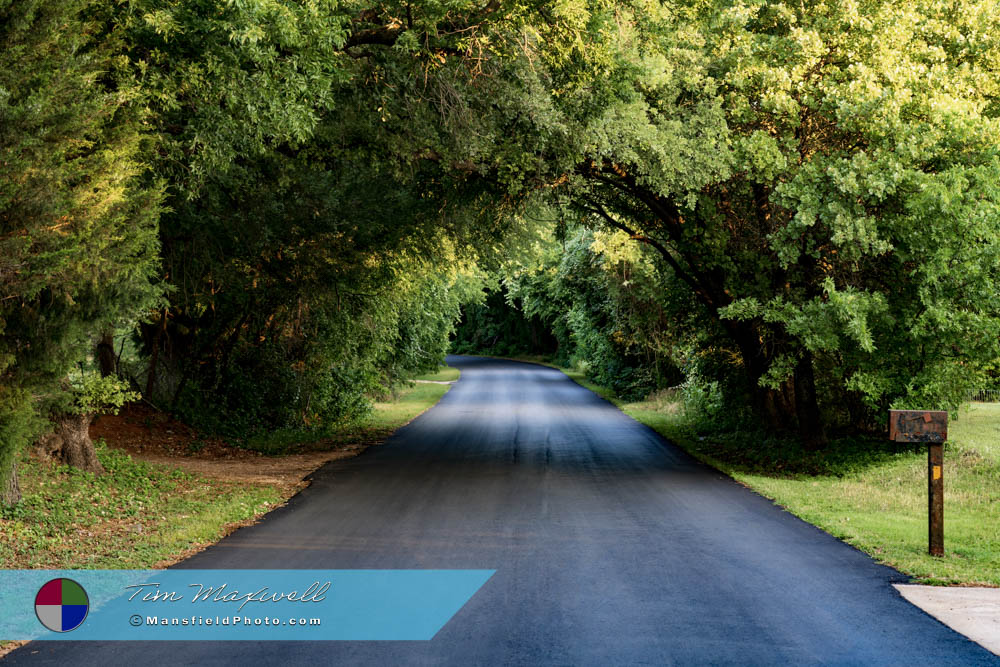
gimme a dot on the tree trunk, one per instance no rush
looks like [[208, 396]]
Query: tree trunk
[[792, 407], [771, 406], [70, 443], [106, 354], [806, 405], [10, 491], [154, 356]]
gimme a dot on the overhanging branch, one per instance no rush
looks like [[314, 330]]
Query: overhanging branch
[[686, 276]]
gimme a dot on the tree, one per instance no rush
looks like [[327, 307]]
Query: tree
[[610, 309], [303, 233], [77, 227], [822, 177]]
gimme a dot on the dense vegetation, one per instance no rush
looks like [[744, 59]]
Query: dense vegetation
[[260, 214]]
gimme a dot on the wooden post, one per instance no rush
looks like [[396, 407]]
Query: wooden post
[[935, 495], [930, 426]]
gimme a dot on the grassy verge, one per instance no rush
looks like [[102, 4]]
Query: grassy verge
[[403, 406], [390, 415], [135, 516], [143, 515], [871, 494], [443, 374], [881, 506]]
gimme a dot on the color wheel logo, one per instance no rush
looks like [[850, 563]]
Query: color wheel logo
[[61, 605]]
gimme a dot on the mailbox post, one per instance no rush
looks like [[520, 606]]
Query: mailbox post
[[930, 426]]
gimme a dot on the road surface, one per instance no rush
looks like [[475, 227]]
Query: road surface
[[610, 545]]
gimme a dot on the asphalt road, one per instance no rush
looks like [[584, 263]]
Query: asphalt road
[[611, 547]]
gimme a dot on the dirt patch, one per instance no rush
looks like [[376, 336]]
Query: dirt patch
[[148, 435]]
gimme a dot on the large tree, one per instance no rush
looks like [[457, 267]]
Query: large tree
[[77, 228], [822, 177], [307, 249]]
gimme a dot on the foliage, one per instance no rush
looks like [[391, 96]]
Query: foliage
[[387, 414], [821, 177], [498, 327], [310, 260], [604, 302], [315, 365], [795, 202], [444, 373], [93, 394]]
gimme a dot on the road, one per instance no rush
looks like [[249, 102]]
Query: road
[[611, 547]]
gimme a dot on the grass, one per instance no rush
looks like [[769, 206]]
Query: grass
[[390, 415], [581, 379], [386, 416], [443, 374], [873, 495], [870, 493], [141, 515]]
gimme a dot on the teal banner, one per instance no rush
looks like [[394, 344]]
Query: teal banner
[[229, 605]]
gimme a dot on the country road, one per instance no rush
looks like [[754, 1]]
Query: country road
[[611, 547]]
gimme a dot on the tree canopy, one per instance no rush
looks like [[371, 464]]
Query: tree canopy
[[821, 177], [280, 207]]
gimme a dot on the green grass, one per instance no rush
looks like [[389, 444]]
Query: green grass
[[139, 515], [444, 374], [390, 415], [870, 493], [581, 379], [135, 515], [882, 509], [386, 416]]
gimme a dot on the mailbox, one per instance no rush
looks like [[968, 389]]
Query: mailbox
[[918, 425], [930, 426]]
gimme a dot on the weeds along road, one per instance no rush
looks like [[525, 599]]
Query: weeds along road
[[610, 547]]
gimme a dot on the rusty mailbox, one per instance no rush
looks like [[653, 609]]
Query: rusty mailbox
[[930, 426], [918, 425]]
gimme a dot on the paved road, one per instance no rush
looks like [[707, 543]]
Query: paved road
[[611, 547]]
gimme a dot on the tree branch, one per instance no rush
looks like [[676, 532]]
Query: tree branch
[[386, 35], [686, 276]]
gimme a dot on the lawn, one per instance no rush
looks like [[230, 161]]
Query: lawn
[[882, 509], [408, 404], [137, 515], [143, 515]]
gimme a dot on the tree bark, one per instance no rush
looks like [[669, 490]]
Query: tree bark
[[811, 429], [771, 405], [10, 492], [70, 443], [794, 406], [106, 354]]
